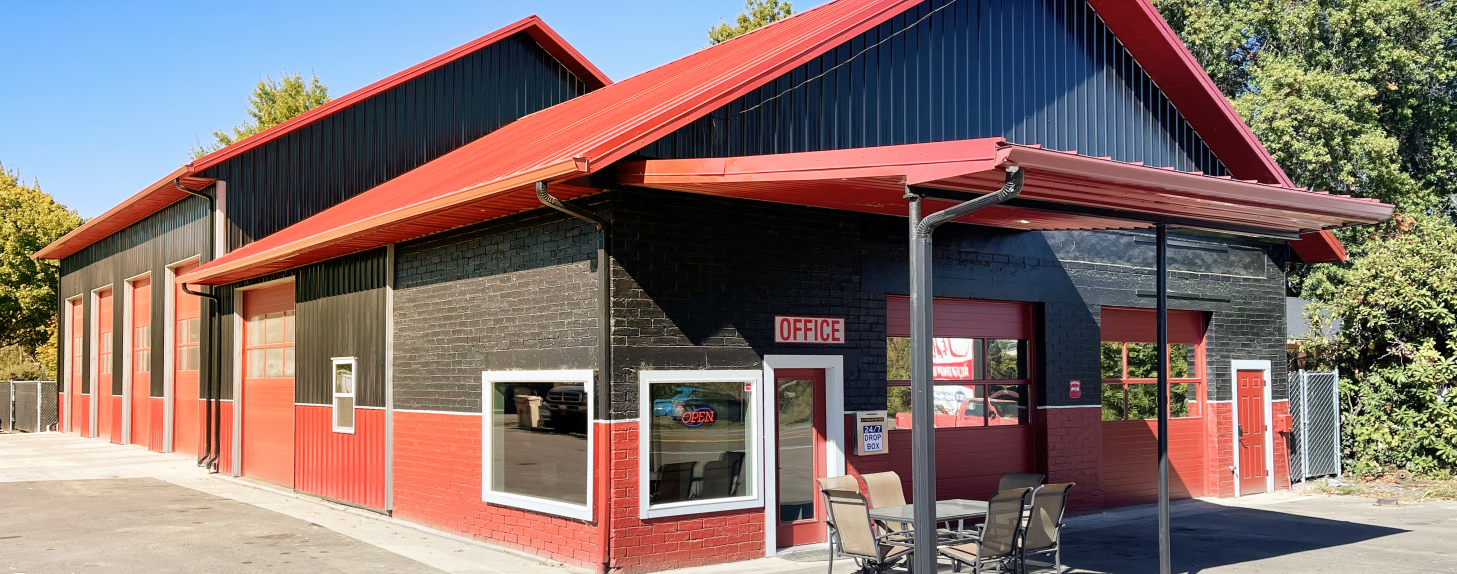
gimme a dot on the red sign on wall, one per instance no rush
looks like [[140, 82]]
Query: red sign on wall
[[1075, 389], [815, 330]]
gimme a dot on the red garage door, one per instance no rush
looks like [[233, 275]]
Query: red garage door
[[268, 402], [983, 370], [186, 360], [104, 365], [1130, 403], [79, 418], [141, 392]]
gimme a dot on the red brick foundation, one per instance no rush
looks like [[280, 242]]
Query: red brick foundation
[[1072, 443]]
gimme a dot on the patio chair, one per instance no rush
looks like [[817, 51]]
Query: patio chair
[[885, 489], [999, 545], [845, 482], [675, 482], [1020, 480], [718, 479], [858, 536], [1043, 534], [736, 457]]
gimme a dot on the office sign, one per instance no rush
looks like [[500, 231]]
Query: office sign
[[812, 330]]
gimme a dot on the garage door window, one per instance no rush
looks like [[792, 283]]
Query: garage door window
[[1130, 364], [538, 441], [979, 382], [699, 450]]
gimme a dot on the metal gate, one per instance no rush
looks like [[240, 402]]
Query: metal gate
[[32, 406], [1315, 412]]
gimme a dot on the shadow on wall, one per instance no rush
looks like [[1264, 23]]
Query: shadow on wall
[[1211, 539]]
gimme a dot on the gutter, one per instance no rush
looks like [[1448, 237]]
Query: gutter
[[603, 390], [213, 423]]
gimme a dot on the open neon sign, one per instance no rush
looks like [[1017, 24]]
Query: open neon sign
[[698, 417]]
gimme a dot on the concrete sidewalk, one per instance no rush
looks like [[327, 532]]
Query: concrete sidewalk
[[84, 505]]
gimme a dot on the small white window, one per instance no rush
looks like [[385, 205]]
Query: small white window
[[344, 394]]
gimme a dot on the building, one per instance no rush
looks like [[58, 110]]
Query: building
[[499, 294]]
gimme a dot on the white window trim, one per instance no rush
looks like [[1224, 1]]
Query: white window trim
[[334, 394], [536, 504], [1235, 366], [756, 441]]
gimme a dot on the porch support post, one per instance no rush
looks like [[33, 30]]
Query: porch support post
[[923, 429], [1165, 552], [923, 407]]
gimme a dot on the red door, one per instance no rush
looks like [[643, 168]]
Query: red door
[[186, 358], [141, 325], [104, 365], [268, 401], [799, 398], [1251, 432], [79, 416]]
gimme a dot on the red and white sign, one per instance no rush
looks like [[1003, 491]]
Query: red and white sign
[[953, 359], [814, 330], [1075, 389]]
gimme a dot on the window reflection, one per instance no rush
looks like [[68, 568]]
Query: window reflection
[[539, 440], [699, 437]]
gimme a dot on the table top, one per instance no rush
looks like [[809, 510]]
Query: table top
[[946, 510]]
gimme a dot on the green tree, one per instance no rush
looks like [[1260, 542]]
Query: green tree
[[1397, 308], [756, 14], [29, 220], [271, 103], [1355, 97]]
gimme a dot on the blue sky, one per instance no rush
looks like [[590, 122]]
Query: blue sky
[[103, 98]]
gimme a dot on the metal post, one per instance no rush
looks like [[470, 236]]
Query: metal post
[[923, 408], [1304, 424], [1336, 396], [1165, 553]]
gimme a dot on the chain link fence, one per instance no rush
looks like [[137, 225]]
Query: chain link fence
[[30, 406], [1315, 411]]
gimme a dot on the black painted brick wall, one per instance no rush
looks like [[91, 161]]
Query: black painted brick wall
[[519, 293]]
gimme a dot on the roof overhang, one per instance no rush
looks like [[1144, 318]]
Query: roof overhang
[[1063, 190], [149, 200]]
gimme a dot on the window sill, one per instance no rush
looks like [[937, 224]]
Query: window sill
[[700, 507], [534, 504]]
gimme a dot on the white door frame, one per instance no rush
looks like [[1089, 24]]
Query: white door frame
[[1235, 366], [834, 367]]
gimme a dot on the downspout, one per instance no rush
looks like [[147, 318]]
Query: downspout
[[923, 431], [213, 422], [603, 390]]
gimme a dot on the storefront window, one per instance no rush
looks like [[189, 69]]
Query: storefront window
[[699, 451], [1130, 381], [960, 403], [539, 437]]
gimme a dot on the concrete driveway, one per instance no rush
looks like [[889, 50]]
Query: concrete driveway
[[83, 505]]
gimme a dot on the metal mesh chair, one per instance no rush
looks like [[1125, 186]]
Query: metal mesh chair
[[675, 482], [1020, 480], [828, 484], [718, 479], [885, 489], [858, 534], [1000, 541], [1044, 528]]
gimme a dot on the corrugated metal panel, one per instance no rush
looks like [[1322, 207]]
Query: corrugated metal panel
[[144, 204], [341, 313], [1034, 72], [346, 467], [154, 424], [329, 160], [167, 236]]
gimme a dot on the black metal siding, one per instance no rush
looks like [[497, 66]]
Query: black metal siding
[[351, 151], [1032, 71], [177, 232], [341, 313]]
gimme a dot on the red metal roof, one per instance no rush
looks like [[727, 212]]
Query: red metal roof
[[1118, 195], [149, 200], [1156, 47], [162, 194], [493, 176]]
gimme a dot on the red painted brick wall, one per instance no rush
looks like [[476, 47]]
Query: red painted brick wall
[[1219, 435], [1073, 440], [437, 472], [1281, 444], [675, 542]]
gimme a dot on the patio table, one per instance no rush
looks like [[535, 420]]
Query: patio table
[[947, 511]]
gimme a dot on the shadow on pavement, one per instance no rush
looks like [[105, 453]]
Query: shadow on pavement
[[1207, 536]]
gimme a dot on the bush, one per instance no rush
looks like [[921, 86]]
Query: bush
[[1396, 303]]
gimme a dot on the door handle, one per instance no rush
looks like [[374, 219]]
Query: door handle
[[1241, 431]]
